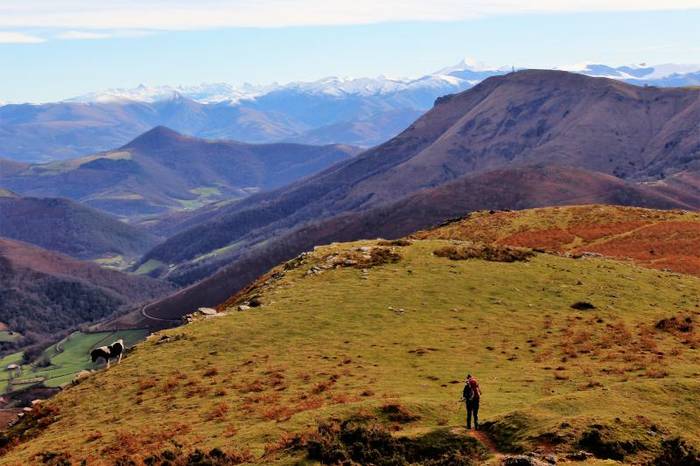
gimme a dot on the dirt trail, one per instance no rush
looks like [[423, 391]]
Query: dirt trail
[[485, 441]]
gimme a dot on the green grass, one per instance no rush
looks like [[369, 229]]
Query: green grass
[[148, 267], [9, 336], [14, 358], [68, 357], [117, 262], [206, 191], [335, 343]]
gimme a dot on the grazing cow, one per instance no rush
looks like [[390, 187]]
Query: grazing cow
[[115, 350]]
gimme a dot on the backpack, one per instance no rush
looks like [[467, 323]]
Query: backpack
[[467, 392]]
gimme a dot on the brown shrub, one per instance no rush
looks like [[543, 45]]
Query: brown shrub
[[396, 412], [145, 384], [178, 457], [394, 242], [211, 372], [286, 442], [255, 386], [219, 412], [96, 435], [655, 373], [379, 256], [582, 306], [170, 384], [675, 324], [488, 252], [230, 431], [321, 387], [278, 413]]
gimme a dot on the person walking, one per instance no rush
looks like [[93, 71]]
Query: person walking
[[471, 395]]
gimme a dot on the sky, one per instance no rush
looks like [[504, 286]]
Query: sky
[[57, 49]]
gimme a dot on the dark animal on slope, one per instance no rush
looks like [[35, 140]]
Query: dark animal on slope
[[115, 350]]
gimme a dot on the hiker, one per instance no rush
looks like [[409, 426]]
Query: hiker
[[471, 395]]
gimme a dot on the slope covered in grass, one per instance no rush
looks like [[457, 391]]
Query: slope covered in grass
[[60, 362], [385, 334], [661, 239]]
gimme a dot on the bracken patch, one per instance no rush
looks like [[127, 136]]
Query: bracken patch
[[358, 442], [488, 252]]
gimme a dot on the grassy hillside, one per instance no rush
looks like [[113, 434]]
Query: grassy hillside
[[62, 361], [653, 238], [384, 336]]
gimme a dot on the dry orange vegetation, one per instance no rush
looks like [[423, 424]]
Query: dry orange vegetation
[[652, 238]]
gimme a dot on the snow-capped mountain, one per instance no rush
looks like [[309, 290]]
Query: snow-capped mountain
[[454, 78], [663, 75], [458, 77], [357, 111], [203, 93]]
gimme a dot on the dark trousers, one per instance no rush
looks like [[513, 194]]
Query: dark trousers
[[473, 410]]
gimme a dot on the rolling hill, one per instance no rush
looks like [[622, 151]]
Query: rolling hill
[[46, 293], [162, 170], [356, 351], [527, 139], [76, 230]]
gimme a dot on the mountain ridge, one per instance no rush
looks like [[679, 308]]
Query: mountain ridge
[[163, 170], [363, 111]]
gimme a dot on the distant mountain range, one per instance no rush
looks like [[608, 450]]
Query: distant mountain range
[[363, 112], [163, 170], [526, 139]]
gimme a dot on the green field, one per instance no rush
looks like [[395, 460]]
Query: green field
[[8, 336], [335, 343], [67, 357], [148, 267]]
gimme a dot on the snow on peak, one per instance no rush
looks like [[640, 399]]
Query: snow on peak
[[467, 64], [204, 93], [635, 72], [463, 75]]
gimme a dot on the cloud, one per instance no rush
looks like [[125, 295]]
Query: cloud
[[97, 35], [205, 14], [7, 37]]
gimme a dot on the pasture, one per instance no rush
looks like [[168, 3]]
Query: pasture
[[60, 362], [341, 332]]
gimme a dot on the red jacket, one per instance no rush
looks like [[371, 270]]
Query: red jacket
[[476, 391]]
